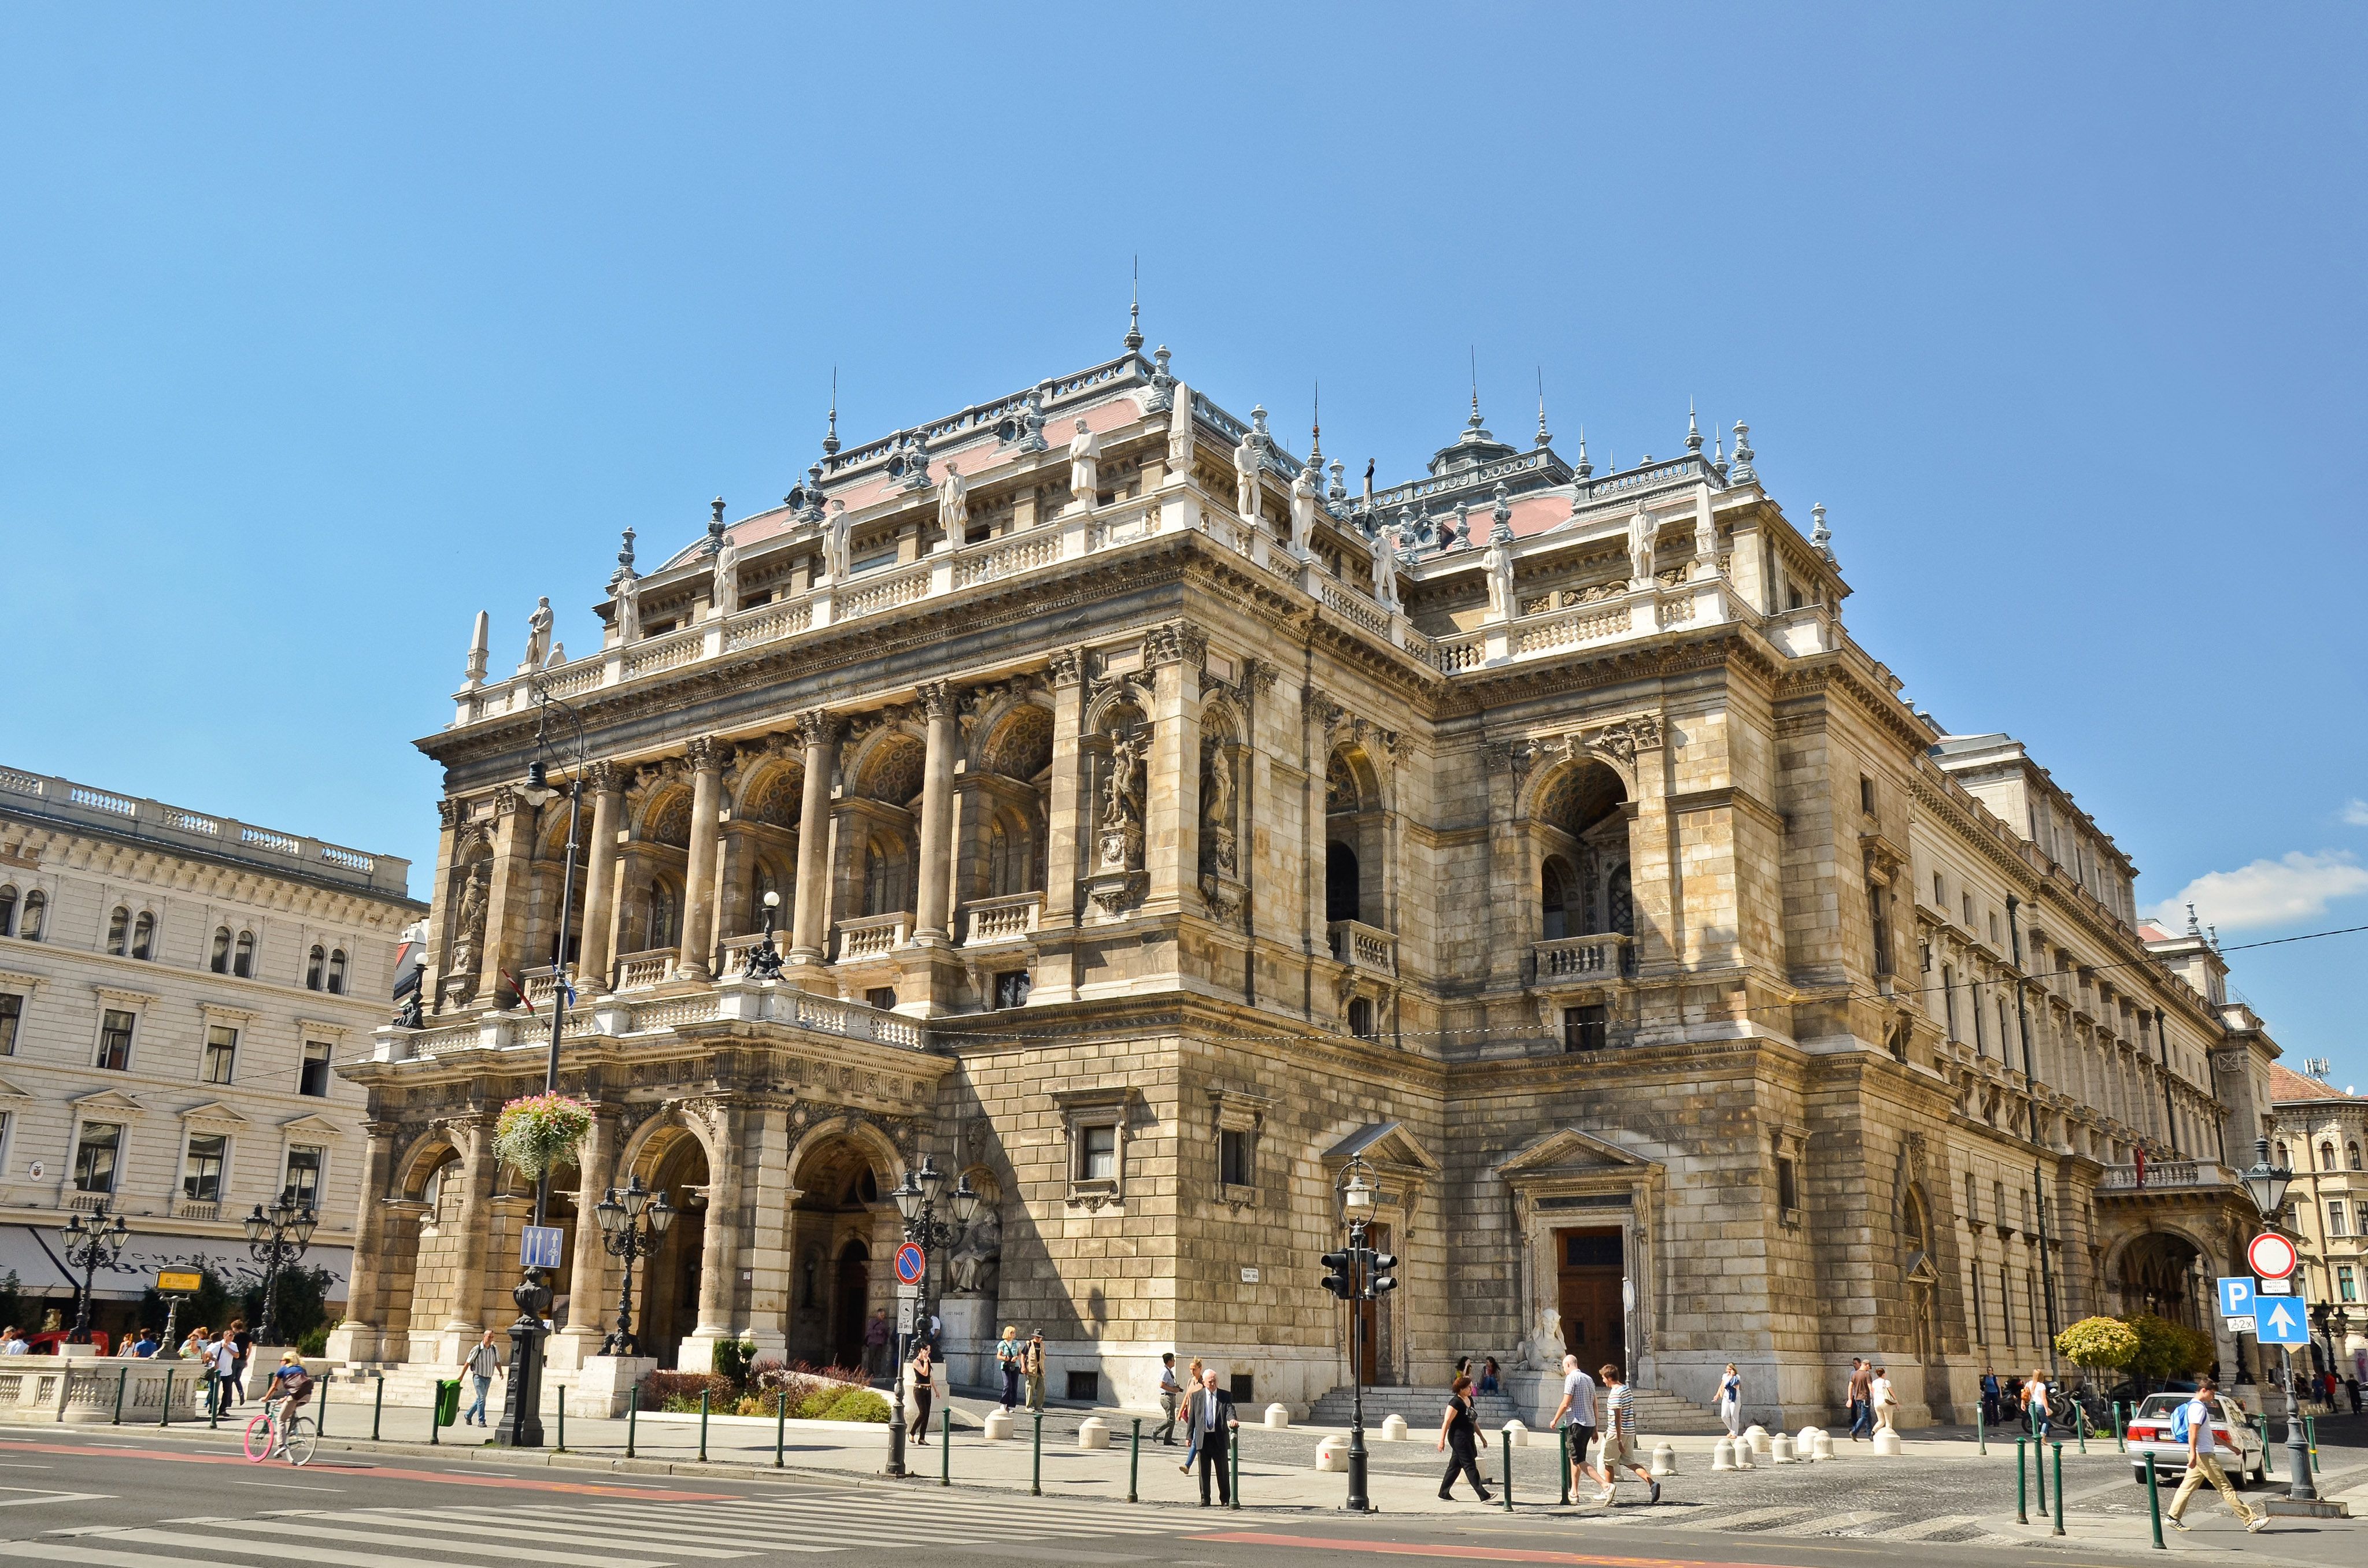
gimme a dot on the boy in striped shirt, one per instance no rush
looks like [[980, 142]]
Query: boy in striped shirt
[[1618, 1406]]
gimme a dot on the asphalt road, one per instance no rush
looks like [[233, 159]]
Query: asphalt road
[[133, 1500]]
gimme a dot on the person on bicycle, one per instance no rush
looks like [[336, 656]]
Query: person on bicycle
[[292, 1385]]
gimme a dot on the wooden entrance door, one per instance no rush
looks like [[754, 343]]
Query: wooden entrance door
[[1590, 1264], [852, 1304]]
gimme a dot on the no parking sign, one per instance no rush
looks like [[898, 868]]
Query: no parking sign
[[910, 1264]]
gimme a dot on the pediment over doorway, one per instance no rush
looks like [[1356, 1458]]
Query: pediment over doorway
[[1570, 1151], [1386, 1144]]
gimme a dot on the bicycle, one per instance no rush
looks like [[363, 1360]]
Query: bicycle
[[269, 1435]]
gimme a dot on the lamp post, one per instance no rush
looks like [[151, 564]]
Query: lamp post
[[276, 1237], [631, 1227], [916, 1202], [1359, 1276], [89, 1245], [522, 1394], [765, 959], [2266, 1183]]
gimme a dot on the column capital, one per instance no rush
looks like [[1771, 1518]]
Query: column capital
[[1066, 666], [706, 754], [604, 775], [936, 698], [819, 727]]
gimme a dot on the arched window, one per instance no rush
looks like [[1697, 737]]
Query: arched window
[[338, 973], [665, 916], [1343, 896], [760, 883], [119, 931], [1009, 861], [1555, 895], [143, 936], [2326, 1157], [884, 875], [37, 908], [2352, 1155], [2284, 1162], [1620, 903], [242, 958], [219, 962], [314, 963], [8, 910]]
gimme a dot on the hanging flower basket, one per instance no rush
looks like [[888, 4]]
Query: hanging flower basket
[[538, 1131]]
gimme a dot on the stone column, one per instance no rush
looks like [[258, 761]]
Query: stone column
[[508, 896], [706, 758], [930, 920], [1066, 832], [1171, 813], [357, 1338], [719, 1258], [600, 879], [473, 1257], [452, 814], [811, 918], [589, 1299], [769, 1258]]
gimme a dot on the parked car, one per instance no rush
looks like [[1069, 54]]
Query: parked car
[[2240, 1450], [2127, 1393], [47, 1344]]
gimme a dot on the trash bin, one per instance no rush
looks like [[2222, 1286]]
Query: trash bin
[[448, 1401]]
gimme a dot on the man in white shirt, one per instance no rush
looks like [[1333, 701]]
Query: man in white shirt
[[1577, 1411], [2203, 1462]]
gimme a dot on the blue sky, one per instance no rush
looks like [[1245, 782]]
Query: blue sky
[[325, 327]]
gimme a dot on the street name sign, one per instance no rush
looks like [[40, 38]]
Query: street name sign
[[179, 1279], [539, 1246], [2272, 1256], [2281, 1322]]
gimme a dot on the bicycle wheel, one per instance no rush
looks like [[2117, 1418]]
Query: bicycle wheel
[[262, 1437], [302, 1434]]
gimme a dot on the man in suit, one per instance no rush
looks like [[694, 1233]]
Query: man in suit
[[1211, 1427]]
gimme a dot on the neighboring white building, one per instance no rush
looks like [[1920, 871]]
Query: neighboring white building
[[175, 990]]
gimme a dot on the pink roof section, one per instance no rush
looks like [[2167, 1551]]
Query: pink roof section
[[974, 455]]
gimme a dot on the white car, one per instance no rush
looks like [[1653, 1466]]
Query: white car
[[2238, 1448]]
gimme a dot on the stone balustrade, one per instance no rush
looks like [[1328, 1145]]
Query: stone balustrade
[[872, 935], [1605, 955], [83, 1389], [1361, 945], [1003, 919], [637, 972]]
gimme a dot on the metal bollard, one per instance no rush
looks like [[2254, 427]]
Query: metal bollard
[[562, 1420], [434, 1412], [1134, 1461], [2081, 1427], [2120, 1445], [1563, 1499], [2039, 1471], [123, 1375], [321, 1413], [167, 1419], [780, 1423], [1981, 1433], [945, 1444], [1036, 1477], [378, 1406], [1234, 1462], [2058, 1446], [1508, 1438], [633, 1409], [702, 1425], [2154, 1502], [2021, 1482], [2262, 1425], [2310, 1436]]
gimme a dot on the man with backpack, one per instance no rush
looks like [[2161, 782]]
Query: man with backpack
[[2193, 1426]]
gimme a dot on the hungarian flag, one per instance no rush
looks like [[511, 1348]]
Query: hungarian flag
[[2139, 1156], [517, 988]]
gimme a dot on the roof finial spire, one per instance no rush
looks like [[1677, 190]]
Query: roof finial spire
[[1135, 310], [1316, 432], [2193, 929], [1585, 468], [830, 436], [1821, 538], [1693, 431], [1474, 420], [1543, 439], [1742, 473]]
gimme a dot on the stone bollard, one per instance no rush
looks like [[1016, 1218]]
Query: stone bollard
[[1093, 1433], [1780, 1450], [1886, 1441], [1805, 1447], [1517, 1434], [1757, 1435], [1665, 1460], [1394, 1429], [1743, 1456], [998, 1427], [1332, 1454], [1825, 1449], [1723, 1456], [1278, 1416]]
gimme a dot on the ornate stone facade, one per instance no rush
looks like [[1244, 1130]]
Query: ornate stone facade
[[1145, 853]]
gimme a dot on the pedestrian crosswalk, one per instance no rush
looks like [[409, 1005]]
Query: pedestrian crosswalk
[[1795, 1519], [596, 1533]]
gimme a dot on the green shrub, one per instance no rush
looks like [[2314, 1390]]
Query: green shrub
[[316, 1343], [857, 1404], [816, 1406]]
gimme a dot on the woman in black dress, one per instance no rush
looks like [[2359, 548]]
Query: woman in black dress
[[1460, 1440]]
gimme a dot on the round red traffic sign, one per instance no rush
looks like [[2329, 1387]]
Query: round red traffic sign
[[910, 1264], [2272, 1256]]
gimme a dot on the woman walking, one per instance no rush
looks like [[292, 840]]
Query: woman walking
[[1007, 1357], [1191, 1432], [1730, 1400], [1885, 1401], [921, 1382], [1459, 1440], [241, 1343]]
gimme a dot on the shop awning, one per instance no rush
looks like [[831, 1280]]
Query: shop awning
[[37, 1254]]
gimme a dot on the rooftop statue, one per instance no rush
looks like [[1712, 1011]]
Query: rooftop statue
[[1245, 477], [1386, 569], [628, 609], [835, 542], [1085, 465], [1496, 565], [1640, 549], [1302, 510], [953, 507], [537, 636], [725, 594]]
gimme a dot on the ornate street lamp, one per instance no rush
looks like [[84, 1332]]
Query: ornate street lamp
[[88, 1247], [2267, 1186], [631, 1227], [764, 958], [274, 1238], [1358, 1275], [916, 1203]]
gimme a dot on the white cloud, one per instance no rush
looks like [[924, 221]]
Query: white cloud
[[2355, 812], [2268, 893]]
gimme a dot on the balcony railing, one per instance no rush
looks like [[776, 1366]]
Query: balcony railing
[[1003, 919], [872, 935], [191, 1209], [638, 971], [1606, 955], [1361, 945], [2167, 1175], [736, 951]]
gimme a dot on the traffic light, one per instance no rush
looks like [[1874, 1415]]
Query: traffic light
[[1383, 1268], [1338, 1279]]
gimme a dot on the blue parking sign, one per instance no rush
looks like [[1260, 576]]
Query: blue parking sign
[[2279, 1321], [2237, 1293], [539, 1246]]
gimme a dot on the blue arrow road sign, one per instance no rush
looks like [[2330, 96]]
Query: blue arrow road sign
[[2237, 1293], [539, 1246], [2279, 1321]]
